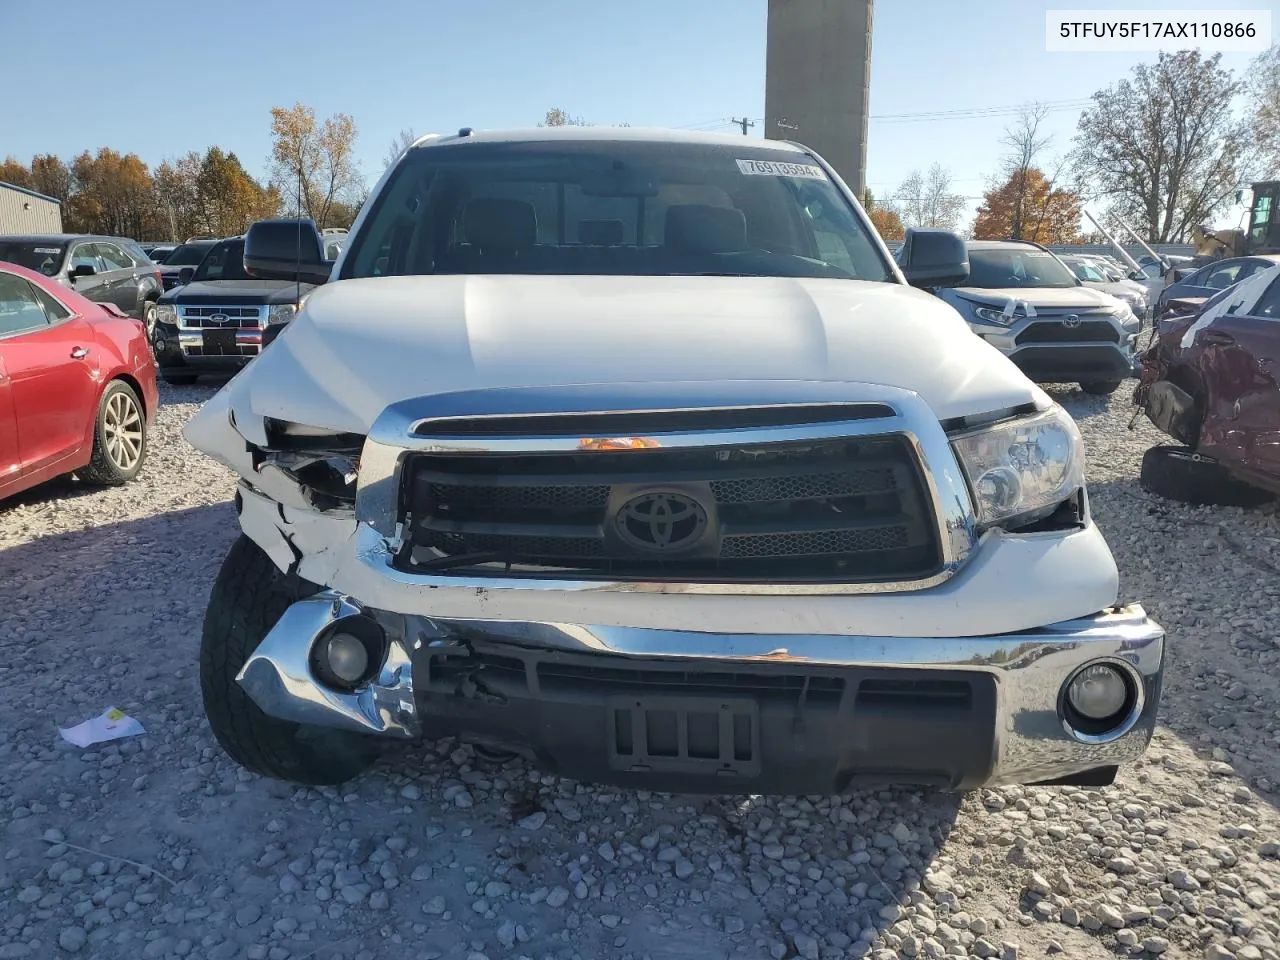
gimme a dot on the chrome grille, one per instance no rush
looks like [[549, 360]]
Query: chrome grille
[[200, 317]]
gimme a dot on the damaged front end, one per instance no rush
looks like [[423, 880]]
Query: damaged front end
[[1165, 390]]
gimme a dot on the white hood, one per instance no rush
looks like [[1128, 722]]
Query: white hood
[[1074, 298], [360, 345]]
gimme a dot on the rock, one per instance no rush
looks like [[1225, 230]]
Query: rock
[[1109, 916], [72, 939], [378, 900], [983, 948], [1270, 849], [1236, 692], [411, 791], [684, 869], [1038, 885], [1155, 945], [421, 872], [507, 933], [734, 925], [774, 851], [568, 810], [434, 906], [1216, 951], [248, 915], [805, 945], [558, 897], [1122, 866], [533, 821]]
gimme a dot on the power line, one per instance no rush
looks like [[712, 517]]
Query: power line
[[973, 113], [744, 123]]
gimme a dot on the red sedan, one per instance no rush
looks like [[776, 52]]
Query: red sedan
[[77, 385]]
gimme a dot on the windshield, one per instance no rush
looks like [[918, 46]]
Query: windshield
[[44, 258], [160, 254], [224, 262], [1000, 267], [187, 255], [613, 208], [1087, 271]]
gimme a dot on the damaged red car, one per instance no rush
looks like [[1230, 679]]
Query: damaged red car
[[1211, 381]]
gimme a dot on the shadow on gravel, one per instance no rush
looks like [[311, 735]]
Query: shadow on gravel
[[59, 488], [1202, 573], [1083, 406]]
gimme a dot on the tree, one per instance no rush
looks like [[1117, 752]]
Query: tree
[[176, 184], [1025, 142], [14, 172], [1162, 147], [555, 117], [926, 200], [227, 199], [112, 194], [1264, 95], [314, 161], [887, 223], [1046, 214], [50, 176], [402, 141]]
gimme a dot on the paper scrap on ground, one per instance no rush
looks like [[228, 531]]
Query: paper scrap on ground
[[112, 725]]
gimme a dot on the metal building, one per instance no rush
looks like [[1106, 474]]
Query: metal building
[[817, 80], [25, 211]]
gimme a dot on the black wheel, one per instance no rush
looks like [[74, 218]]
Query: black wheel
[[149, 317], [1100, 388], [249, 596], [119, 437], [1178, 473], [179, 379]]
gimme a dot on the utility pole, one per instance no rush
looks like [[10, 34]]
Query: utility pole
[[744, 123]]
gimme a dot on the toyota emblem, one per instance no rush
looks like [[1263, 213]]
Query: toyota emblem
[[218, 318], [1071, 320], [661, 522]]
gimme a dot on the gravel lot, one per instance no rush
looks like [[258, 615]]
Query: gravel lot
[[160, 847]]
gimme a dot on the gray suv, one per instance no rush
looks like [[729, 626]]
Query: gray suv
[[1024, 301], [102, 269]]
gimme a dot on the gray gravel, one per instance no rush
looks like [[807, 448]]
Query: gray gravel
[[159, 847]]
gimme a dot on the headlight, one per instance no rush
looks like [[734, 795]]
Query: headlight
[[992, 315], [1023, 468], [165, 313], [282, 312]]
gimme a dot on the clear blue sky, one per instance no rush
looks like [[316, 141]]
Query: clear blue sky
[[168, 77]]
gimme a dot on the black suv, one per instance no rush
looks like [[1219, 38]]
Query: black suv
[[103, 269], [188, 255], [215, 322]]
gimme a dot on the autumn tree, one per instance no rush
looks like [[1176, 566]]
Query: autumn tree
[[1162, 146], [927, 200], [50, 176], [313, 164], [555, 117], [1043, 213], [16, 173], [1025, 141], [1264, 97], [112, 193]]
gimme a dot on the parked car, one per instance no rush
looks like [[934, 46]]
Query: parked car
[[188, 255], [1211, 279], [77, 385], [102, 269], [1028, 304], [1208, 381], [215, 323], [1091, 274], [634, 453], [158, 252]]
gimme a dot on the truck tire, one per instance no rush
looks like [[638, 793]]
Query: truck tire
[[1177, 474], [119, 438], [249, 595], [1099, 388]]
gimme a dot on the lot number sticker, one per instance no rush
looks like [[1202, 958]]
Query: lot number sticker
[[775, 168]]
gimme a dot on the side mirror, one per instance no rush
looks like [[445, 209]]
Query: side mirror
[[185, 275], [286, 249], [934, 258], [82, 270]]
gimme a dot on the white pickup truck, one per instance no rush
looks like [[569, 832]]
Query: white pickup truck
[[635, 454]]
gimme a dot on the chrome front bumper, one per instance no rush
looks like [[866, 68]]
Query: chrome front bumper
[[1030, 741]]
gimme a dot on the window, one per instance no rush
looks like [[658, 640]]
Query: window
[[135, 252], [188, 255], [1268, 304], [113, 258], [52, 308], [613, 208], [84, 255], [20, 310], [224, 262], [1219, 278], [42, 257], [998, 268]]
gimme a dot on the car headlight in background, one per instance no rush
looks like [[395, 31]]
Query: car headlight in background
[[282, 312], [165, 313], [998, 317], [1021, 470]]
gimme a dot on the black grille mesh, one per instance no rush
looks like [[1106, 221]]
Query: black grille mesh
[[815, 542]]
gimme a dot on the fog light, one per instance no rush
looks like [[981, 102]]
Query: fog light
[[347, 657], [1098, 692]]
